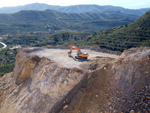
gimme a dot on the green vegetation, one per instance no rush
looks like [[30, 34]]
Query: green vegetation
[[50, 21], [124, 37], [6, 69], [63, 38], [7, 60]]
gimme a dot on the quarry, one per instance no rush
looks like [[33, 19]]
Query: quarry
[[48, 80], [61, 57]]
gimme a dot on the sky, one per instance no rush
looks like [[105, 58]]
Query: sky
[[131, 4]]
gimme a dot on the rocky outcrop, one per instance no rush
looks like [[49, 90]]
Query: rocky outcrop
[[122, 86], [130, 86], [39, 85]]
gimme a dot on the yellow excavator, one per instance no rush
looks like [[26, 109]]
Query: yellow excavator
[[80, 55]]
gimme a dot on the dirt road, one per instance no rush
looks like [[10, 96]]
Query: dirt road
[[64, 60], [3, 45]]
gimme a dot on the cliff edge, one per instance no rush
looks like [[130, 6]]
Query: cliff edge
[[49, 81]]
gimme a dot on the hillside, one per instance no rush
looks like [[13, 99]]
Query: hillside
[[50, 81], [72, 9], [119, 38], [50, 21], [135, 34]]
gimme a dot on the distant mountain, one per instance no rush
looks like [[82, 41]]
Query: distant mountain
[[135, 34], [51, 20], [72, 9]]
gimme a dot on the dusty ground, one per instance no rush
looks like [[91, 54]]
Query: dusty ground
[[61, 57]]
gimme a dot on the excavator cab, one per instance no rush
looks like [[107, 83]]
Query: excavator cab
[[80, 55]]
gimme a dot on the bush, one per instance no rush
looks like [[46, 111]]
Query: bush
[[6, 69]]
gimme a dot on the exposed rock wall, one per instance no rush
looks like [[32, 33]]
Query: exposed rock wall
[[39, 85], [123, 86], [130, 87]]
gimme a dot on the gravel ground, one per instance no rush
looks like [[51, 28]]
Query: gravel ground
[[61, 56]]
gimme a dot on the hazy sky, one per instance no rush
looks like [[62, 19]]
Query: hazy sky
[[132, 4]]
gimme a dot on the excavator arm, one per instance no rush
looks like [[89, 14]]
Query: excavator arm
[[74, 47]]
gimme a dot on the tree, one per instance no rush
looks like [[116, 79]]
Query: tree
[[56, 38], [6, 53], [94, 34], [75, 38], [126, 25]]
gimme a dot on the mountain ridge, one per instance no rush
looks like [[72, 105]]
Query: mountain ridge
[[72, 8], [33, 20]]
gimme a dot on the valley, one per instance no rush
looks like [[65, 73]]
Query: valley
[[135, 34], [51, 21]]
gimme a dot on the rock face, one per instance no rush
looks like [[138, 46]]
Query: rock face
[[130, 84], [39, 85]]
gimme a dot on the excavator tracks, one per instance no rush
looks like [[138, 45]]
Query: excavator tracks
[[78, 57]]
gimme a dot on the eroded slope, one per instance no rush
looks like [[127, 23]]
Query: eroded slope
[[99, 84], [118, 87]]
